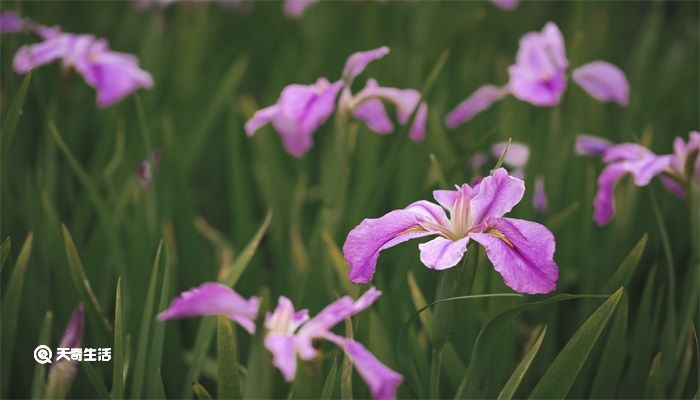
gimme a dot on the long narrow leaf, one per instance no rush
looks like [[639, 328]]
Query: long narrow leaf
[[118, 350], [95, 380], [228, 381], [39, 380], [612, 361], [4, 252], [10, 124], [514, 381], [625, 271], [562, 372]]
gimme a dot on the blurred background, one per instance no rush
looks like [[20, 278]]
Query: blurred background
[[214, 65]]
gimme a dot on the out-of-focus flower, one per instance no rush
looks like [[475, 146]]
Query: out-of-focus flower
[[113, 74], [301, 109], [291, 333], [62, 372], [539, 198], [507, 5], [588, 145], [213, 298], [539, 77], [521, 251], [10, 22], [516, 157], [603, 81], [146, 168], [674, 170], [296, 8]]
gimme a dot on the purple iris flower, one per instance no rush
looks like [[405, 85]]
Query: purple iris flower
[[539, 78], [113, 74], [62, 372], [643, 164], [302, 109], [213, 298], [507, 5], [11, 22], [291, 333], [521, 251]]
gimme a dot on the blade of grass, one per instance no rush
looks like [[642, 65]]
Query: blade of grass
[[208, 325], [95, 380], [4, 252], [146, 323], [654, 385], [82, 284], [611, 364], [159, 388], [511, 386], [10, 124], [10, 308], [228, 381], [329, 384], [626, 270], [486, 341], [200, 392], [39, 379], [118, 350], [502, 157], [562, 372], [156, 353], [346, 368]]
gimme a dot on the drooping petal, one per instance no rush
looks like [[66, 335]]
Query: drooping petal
[[357, 62], [284, 355], [589, 145], [296, 8], [673, 186], [646, 169], [604, 202], [372, 235], [381, 380], [507, 5], [603, 81], [35, 55], [441, 253], [522, 252], [260, 118], [417, 131], [114, 75], [372, 113], [10, 22], [214, 299], [497, 195], [517, 155], [479, 101], [337, 311], [539, 198]]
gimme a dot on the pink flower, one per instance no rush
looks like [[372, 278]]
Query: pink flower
[[290, 334], [539, 78], [62, 372], [521, 251]]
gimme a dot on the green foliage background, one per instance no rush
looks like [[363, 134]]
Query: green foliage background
[[213, 67]]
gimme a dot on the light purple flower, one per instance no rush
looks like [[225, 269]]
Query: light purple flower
[[477, 161], [62, 372], [539, 77], [521, 251], [113, 74], [603, 81], [296, 8], [290, 334], [623, 159], [301, 109], [539, 198], [680, 172], [213, 298], [507, 5], [10, 22], [589, 145]]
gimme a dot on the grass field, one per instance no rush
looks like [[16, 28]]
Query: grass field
[[222, 205]]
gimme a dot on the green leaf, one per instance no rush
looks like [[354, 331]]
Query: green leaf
[[200, 391], [228, 381], [562, 372], [156, 349], [82, 284], [159, 388], [329, 384], [612, 362], [10, 308], [95, 380], [208, 325], [486, 341], [654, 385], [499, 163], [346, 368], [39, 380], [12, 117], [626, 270], [146, 322], [4, 252], [514, 381], [340, 266], [118, 350]]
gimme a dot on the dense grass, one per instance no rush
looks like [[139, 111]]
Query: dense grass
[[73, 164]]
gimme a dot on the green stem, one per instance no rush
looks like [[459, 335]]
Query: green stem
[[435, 368]]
